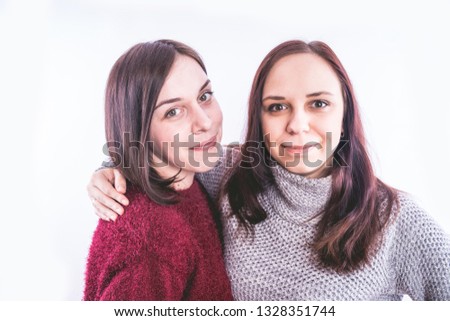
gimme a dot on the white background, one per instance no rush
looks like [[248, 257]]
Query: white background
[[56, 55]]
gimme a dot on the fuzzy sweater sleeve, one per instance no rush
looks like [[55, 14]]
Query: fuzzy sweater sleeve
[[142, 256], [421, 254], [149, 278]]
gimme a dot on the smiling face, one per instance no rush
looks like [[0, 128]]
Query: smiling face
[[186, 126], [302, 102]]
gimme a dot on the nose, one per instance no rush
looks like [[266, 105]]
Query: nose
[[201, 121], [298, 122]]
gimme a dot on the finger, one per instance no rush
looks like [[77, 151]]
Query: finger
[[99, 213], [106, 201], [120, 183], [97, 178], [103, 180], [108, 190], [102, 216], [91, 193], [101, 174], [105, 213]]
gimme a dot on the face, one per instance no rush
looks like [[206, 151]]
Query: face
[[186, 126], [302, 114]]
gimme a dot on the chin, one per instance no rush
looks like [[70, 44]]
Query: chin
[[202, 168], [306, 171]]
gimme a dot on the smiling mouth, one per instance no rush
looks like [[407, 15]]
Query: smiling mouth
[[299, 149], [206, 144]]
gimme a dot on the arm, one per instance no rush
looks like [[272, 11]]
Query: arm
[[107, 186], [422, 252], [149, 278], [145, 255], [106, 190]]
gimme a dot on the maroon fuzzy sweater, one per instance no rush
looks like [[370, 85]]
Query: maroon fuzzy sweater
[[156, 252]]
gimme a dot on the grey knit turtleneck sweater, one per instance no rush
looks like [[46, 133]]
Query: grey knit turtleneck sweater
[[279, 264]]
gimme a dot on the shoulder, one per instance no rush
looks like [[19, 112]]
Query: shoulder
[[230, 156], [146, 240], [143, 214], [409, 212], [213, 179], [144, 226], [420, 252], [414, 225]]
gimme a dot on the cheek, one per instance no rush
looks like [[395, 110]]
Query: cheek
[[154, 135], [265, 125], [272, 127], [155, 132], [333, 128], [164, 136], [265, 128], [216, 114]]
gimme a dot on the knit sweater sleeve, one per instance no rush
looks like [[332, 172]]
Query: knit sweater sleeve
[[421, 254], [142, 256]]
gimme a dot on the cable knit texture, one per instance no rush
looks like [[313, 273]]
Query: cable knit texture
[[156, 252], [278, 263]]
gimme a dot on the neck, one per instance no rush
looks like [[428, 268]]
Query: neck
[[321, 171], [166, 170], [304, 196], [185, 181], [184, 178]]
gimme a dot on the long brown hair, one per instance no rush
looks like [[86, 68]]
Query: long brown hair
[[353, 217], [132, 90]]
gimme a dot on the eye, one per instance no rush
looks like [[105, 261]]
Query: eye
[[172, 113], [319, 104], [277, 107], [206, 96]]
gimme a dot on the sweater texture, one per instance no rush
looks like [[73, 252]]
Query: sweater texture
[[278, 262], [158, 252]]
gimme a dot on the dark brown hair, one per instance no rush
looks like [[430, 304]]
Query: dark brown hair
[[133, 87], [354, 217]]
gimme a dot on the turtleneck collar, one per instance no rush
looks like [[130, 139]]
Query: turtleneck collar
[[295, 197]]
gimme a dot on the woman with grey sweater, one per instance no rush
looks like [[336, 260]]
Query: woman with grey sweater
[[304, 216]]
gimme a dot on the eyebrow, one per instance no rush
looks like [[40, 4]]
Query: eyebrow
[[172, 100], [319, 93], [316, 94], [274, 98]]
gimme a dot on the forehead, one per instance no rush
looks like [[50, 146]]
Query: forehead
[[306, 72], [185, 77]]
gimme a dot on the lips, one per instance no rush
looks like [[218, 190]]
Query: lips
[[206, 144], [299, 149]]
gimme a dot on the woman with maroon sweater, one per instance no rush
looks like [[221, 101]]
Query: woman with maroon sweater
[[162, 126]]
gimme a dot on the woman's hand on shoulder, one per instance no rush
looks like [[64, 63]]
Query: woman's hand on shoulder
[[106, 190]]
